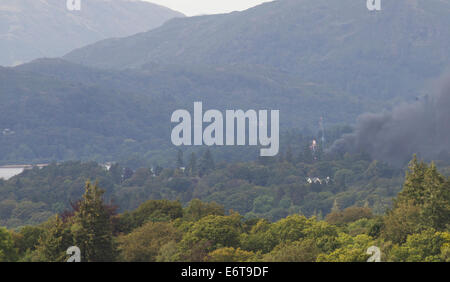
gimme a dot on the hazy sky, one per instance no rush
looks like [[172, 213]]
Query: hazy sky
[[199, 7]]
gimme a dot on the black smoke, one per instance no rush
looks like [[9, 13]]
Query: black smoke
[[422, 128]]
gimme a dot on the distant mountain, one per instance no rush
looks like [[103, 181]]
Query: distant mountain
[[307, 58], [388, 53], [31, 29]]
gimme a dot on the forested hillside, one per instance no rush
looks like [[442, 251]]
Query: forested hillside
[[358, 92], [63, 111], [298, 181], [415, 229], [308, 59]]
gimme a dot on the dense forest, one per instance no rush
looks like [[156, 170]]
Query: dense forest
[[54, 110], [414, 229], [298, 180], [358, 93]]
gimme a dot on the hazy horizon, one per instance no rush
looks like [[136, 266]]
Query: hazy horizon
[[201, 7]]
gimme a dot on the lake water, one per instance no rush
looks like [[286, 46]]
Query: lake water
[[8, 172]]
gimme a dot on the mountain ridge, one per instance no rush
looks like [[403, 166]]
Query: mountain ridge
[[391, 51], [31, 29]]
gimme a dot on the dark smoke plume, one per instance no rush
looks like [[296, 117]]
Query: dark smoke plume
[[421, 128]]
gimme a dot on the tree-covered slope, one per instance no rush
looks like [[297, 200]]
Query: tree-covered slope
[[414, 230], [60, 111], [306, 58]]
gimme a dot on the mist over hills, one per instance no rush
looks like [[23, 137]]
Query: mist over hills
[[306, 58], [31, 29]]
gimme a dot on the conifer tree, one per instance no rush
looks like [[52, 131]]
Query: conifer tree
[[413, 187], [192, 167], [206, 163], [335, 207], [180, 162], [429, 190], [436, 204], [53, 245], [423, 203], [92, 227]]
